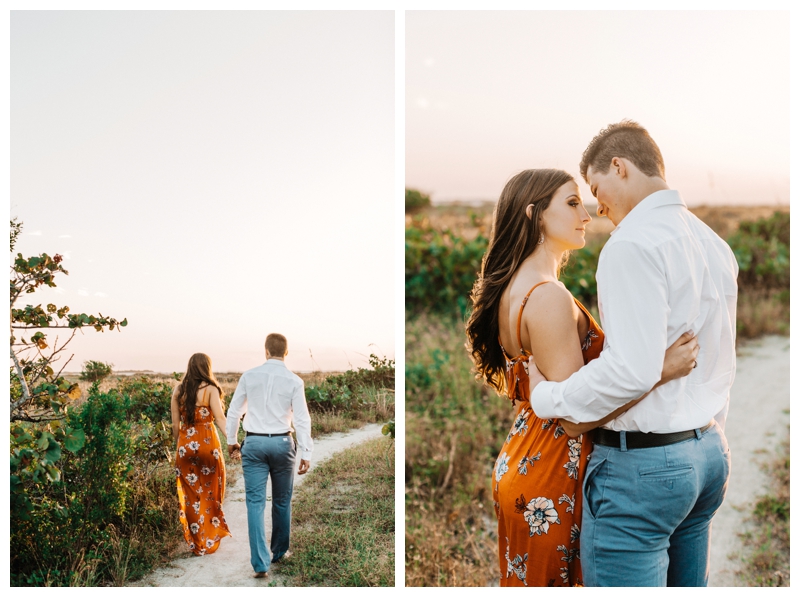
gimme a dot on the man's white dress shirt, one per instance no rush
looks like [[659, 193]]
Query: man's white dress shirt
[[663, 272], [270, 397]]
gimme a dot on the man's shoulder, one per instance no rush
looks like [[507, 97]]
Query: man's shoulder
[[290, 375]]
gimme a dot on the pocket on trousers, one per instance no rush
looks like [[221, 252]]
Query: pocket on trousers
[[592, 490], [666, 474]]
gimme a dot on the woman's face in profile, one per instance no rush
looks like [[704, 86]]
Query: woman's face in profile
[[565, 219]]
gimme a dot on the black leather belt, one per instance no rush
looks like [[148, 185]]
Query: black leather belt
[[248, 433], [637, 439]]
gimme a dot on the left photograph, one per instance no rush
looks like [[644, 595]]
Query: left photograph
[[202, 360]]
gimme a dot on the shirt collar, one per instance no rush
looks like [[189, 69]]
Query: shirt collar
[[648, 204], [276, 362]]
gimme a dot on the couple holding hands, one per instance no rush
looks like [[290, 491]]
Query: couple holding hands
[[273, 399]]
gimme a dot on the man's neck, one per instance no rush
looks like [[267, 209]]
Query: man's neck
[[275, 358], [643, 188]]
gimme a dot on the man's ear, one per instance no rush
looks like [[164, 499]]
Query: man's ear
[[619, 168]]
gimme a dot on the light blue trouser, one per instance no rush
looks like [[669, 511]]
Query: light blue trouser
[[647, 512], [264, 457]]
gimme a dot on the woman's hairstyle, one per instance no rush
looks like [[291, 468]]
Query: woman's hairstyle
[[198, 372], [625, 139], [514, 237]]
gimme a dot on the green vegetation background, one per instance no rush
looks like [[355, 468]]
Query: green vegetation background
[[455, 426]]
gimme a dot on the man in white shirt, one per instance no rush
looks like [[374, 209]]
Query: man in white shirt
[[658, 472], [272, 398]]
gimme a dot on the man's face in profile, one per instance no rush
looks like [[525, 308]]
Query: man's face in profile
[[606, 189]]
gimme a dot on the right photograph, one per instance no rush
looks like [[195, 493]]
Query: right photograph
[[597, 298]]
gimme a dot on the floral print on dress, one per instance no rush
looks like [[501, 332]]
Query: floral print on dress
[[518, 566], [522, 467], [587, 342], [532, 531], [501, 467], [574, 445], [520, 424], [569, 500], [574, 534], [539, 513], [200, 476], [558, 431]]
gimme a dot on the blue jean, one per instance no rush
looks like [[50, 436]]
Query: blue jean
[[647, 512], [264, 457]]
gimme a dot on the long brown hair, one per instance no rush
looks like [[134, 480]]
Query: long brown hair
[[197, 372], [514, 237]]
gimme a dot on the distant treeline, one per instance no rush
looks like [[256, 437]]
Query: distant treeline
[[441, 266]]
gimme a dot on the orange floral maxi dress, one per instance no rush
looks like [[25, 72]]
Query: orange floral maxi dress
[[200, 472], [536, 484]]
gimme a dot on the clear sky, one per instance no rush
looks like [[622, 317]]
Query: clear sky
[[491, 93], [212, 177]]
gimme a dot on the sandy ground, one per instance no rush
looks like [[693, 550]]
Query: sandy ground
[[757, 422], [230, 565]]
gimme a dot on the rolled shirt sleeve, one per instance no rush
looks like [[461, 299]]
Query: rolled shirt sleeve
[[633, 298], [302, 422], [236, 410]]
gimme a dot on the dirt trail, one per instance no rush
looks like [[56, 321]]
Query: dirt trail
[[230, 565], [757, 423]]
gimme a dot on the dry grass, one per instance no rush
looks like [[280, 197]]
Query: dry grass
[[454, 429], [768, 544], [343, 513], [760, 312]]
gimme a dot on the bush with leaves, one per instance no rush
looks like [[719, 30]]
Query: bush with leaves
[[120, 486], [415, 200], [39, 395], [762, 251], [441, 268], [95, 371], [338, 393]]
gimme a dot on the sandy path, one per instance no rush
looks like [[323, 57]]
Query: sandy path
[[757, 423], [230, 565]]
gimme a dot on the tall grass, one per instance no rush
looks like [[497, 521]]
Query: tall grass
[[767, 564], [343, 520], [454, 429]]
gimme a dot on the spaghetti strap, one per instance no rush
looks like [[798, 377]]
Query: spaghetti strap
[[519, 317]]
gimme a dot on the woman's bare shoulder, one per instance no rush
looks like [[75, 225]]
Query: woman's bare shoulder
[[550, 305]]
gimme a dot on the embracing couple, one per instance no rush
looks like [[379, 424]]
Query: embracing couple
[[616, 461], [272, 399]]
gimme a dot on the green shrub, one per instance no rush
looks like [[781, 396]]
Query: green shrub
[[416, 200], [85, 528], [345, 392], [147, 397], [762, 251], [96, 371], [440, 268]]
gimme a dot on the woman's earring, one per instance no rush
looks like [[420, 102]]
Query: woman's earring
[[541, 239]]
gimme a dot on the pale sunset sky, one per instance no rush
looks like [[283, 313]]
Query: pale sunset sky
[[491, 93], [212, 177]]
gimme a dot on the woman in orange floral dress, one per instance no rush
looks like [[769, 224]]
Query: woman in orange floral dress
[[522, 311], [199, 464]]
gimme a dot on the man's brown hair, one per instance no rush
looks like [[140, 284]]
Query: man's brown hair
[[626, 139], [276, 344]]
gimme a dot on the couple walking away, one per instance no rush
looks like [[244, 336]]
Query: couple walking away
[[271, 398], [616, 461]]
